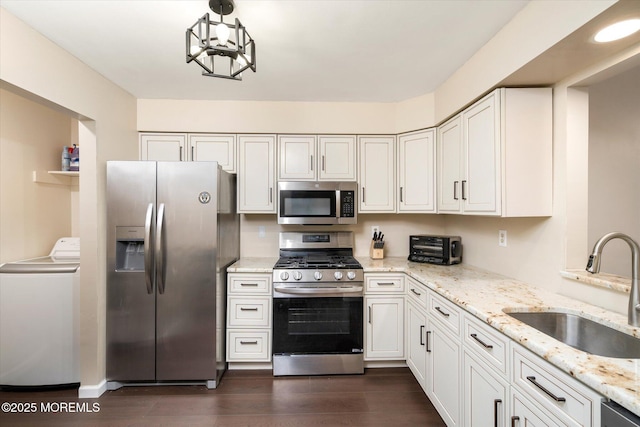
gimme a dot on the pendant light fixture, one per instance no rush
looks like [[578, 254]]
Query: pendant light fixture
[[222, 50]]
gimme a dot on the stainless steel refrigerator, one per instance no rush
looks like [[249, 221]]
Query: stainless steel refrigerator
[[172, 232]]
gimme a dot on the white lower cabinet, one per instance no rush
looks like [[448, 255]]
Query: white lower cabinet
[[249, 307], [384, 317]]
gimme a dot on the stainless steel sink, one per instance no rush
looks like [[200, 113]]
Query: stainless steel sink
[[582, 333]]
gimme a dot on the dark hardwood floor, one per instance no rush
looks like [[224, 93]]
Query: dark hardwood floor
[[381, 397]]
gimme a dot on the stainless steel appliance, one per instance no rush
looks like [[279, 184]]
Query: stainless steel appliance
[[172, 231], [317, 203], [317, 305], [445, 250], [614, 415]]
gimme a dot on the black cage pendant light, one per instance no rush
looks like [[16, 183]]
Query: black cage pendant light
[[220, 49]]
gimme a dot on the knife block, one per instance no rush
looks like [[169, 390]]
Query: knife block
[[376, 253]]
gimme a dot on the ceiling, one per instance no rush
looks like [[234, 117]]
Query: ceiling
[[306, 50]]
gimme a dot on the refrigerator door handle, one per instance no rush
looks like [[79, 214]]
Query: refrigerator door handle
[[159, 253], [148, 253]]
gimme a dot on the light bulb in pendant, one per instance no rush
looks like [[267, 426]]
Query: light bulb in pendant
[[222, 32]]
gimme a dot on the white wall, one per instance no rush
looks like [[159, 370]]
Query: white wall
[[32, 215], [105, 130], [614, 166]]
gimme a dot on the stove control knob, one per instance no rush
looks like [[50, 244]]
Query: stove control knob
[[338, 275], [351, 275], [317, 275], [297, 275], [284, 275]]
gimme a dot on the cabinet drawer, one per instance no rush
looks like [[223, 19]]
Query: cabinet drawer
[[248, 346], [486, 343], [559, 394], [384, 283], [250, 284], [445, 312], [417, 292], [251, 312]]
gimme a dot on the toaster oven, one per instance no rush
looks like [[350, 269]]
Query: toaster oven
[[444, 250]]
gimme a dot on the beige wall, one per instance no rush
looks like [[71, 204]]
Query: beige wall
[[614, 166], [105, 130], [32, 215]]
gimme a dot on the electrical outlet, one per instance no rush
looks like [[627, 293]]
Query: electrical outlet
[[375, 229], [261, 231], [502, 238]]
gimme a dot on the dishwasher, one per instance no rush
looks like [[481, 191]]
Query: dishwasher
[[614, 415]]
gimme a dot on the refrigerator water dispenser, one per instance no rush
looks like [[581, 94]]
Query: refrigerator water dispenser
[[129, 248]]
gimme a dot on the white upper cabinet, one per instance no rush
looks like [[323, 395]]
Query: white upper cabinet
[[163, 147], [321, 158], [495, 158], [417, 172], [180, 147], [256, 174], [296, 157], [337, 158], [376, 156], [220, 148]]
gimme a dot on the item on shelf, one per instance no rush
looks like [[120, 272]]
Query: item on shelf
[[75, 158], [376, 251], [66, 159]]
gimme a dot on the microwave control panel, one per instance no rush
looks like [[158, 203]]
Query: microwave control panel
[[347, 204]]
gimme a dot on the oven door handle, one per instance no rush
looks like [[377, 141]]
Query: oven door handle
[[311, 291]]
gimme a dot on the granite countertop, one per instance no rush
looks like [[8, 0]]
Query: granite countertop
[[485, 295]]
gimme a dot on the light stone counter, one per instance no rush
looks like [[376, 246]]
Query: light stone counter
[[485, 295], [253, 265]]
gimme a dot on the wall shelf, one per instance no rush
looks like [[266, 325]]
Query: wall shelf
[[56, 177]]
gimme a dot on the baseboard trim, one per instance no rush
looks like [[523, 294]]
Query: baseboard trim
[[92, 391]]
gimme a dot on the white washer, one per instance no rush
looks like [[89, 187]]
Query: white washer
[[39, 307]]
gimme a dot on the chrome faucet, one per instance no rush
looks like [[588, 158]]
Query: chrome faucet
[[593, 266]]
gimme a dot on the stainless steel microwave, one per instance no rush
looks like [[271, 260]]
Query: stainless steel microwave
[[317, 202]]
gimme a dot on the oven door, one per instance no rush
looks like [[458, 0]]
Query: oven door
[[324, 325]]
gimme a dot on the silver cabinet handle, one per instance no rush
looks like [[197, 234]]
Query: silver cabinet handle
[[485, 345], [415, 292], [385, 283], [427, 343], [248, 284], [323, 166], [148, 252], [464, 197], [421, 335], [249, 342], [514, 419], [455, 190], [159, 255], [370, 314], [181, 153], [496, 402], [311, 162], [193, 158], [248, 308], [270, 194], [533, 381], [442, 312], [401, 195], [363, 201]]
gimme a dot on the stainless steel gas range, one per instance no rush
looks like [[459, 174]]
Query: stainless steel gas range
[[317, 305]]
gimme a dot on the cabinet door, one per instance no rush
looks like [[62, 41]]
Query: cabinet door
[[416, 343], [417, 172], [481, 182], [525, 413], [296, 157], [385, 328], [377, 173], [449, 145], [214, 148], [443, 373], [256, 177], [484, 395], [337, 158], [163, 147]]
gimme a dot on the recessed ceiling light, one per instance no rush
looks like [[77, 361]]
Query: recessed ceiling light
[[617, 31]]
